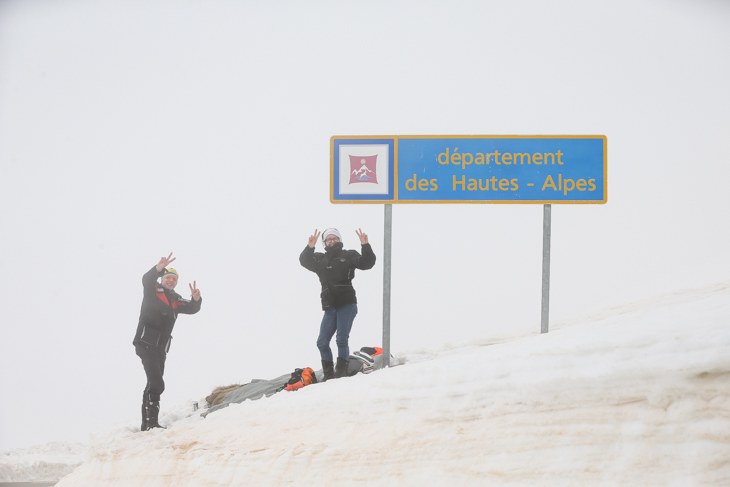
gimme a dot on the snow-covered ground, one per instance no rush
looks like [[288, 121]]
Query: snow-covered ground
[[47, 462], [635, 395]]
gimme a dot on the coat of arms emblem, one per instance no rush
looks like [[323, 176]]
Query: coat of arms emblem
[[362, 169]]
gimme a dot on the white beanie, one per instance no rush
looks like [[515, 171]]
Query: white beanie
[[331, 231]]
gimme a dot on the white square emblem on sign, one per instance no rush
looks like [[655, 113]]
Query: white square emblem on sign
[[364, 169]]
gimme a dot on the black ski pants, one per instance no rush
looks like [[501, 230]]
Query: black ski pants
[[154, 367]]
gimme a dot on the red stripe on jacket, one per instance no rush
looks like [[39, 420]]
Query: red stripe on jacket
[[175, 304], [163, 297]]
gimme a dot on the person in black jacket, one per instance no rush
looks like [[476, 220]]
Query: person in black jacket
[[160, 307], [336, 270]]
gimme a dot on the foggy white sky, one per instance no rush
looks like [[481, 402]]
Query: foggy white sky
[[132, 129]]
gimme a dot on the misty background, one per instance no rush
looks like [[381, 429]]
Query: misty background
[[132, 129]]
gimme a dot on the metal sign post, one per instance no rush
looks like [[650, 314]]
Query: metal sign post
[[545, 268], [388, 233]]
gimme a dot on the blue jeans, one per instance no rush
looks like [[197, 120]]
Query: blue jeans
[[336, 320]]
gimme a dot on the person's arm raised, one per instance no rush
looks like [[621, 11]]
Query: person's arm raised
[[164, 261], [367, 259]]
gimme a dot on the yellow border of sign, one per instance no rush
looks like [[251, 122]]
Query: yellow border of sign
[[479, 202]]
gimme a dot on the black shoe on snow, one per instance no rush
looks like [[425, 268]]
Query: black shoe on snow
[[151, 415], [329, 370], [144, 419], [341, 368]]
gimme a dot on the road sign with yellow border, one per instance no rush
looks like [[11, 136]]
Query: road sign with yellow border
[[517, 169]]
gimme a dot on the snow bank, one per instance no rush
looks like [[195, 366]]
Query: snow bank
[[632, 396], [44, 463]]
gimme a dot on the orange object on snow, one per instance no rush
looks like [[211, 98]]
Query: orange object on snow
[[301, 378]]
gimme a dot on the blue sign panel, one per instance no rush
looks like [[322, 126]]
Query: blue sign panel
[[470, 169]]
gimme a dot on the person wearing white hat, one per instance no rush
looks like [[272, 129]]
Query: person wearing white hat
[[336, 270]]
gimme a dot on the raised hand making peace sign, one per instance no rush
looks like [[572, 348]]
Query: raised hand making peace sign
[[195, 291], [362, 236], [313, 239], [164, 262]]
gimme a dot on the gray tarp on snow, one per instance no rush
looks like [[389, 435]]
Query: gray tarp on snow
[[259, 388]]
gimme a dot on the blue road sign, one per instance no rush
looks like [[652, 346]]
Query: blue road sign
[[468, 169]]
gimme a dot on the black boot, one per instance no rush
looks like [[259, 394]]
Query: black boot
[[341, 368], [144, 419], [329, 369], [152, 413]]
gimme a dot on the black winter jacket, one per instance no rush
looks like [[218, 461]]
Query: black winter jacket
[[160, 308], [336, 270]]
